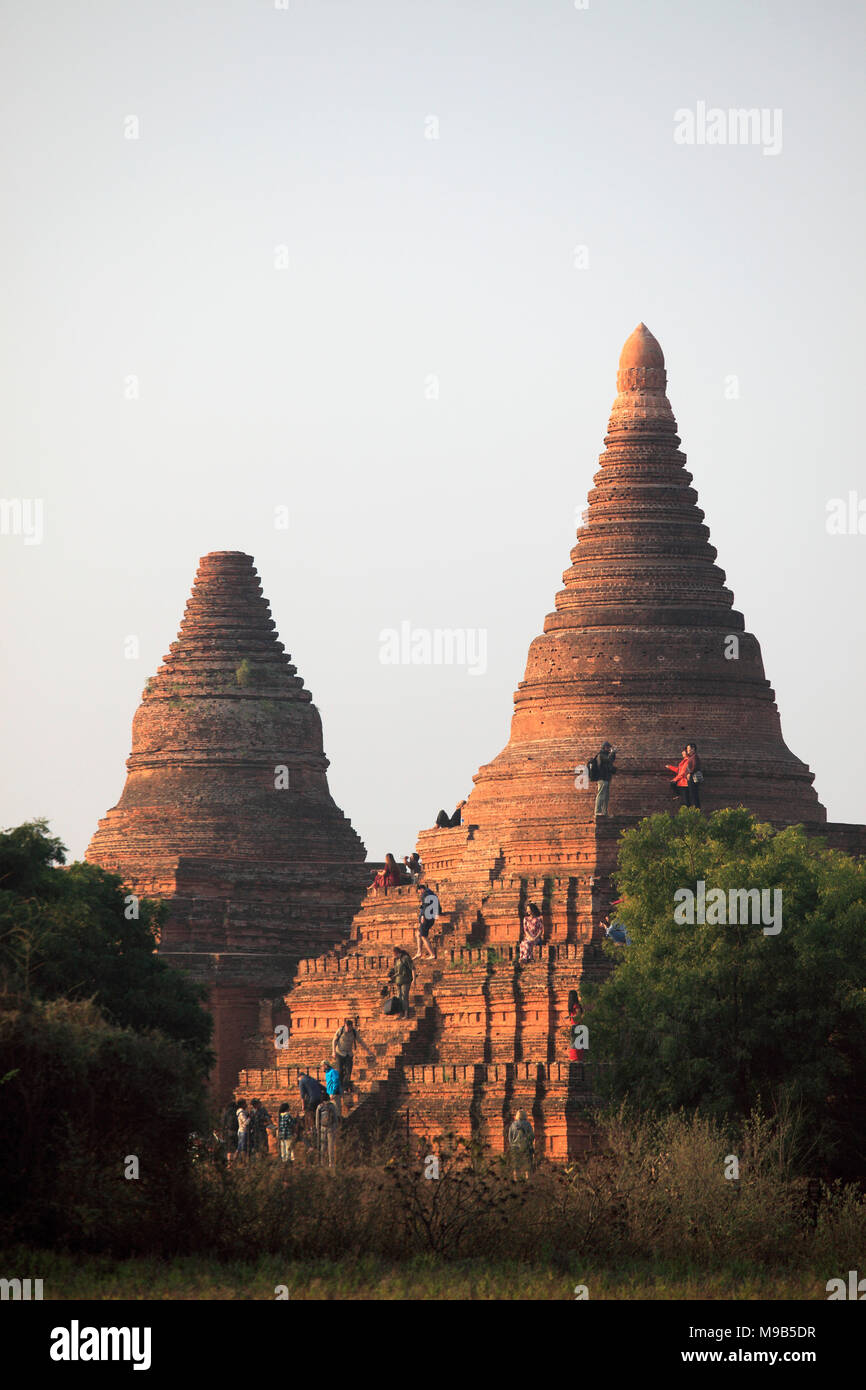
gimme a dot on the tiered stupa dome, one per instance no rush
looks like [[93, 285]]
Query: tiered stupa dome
[[226, 811], [221, 715], [644, 649]]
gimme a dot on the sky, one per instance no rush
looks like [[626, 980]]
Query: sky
[[367, 269]]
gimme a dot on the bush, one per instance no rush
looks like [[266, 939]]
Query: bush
[[722, 1018], [78, 1097]]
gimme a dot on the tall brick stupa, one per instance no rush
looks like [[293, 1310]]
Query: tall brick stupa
[[226, 811], [644, 649]]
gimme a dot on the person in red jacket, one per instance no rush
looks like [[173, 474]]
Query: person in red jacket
[[679, 781]]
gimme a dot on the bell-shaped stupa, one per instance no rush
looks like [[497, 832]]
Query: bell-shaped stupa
[[226, 811], [644, 650]]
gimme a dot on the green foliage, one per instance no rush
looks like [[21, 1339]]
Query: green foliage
[[427, 1277], [244, 673], [83, 1096], [723, 1017], [68, 933], [104, 1052]]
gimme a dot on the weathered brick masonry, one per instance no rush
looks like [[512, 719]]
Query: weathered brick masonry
[[256, 874], [645, 649]]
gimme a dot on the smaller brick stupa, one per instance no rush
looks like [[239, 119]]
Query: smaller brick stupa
[[226, 811]]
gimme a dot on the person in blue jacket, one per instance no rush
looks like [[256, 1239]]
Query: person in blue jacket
[[615, 931], [333, 1086]]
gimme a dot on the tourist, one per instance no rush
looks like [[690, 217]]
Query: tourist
[[343, 1046], [260, 1123], [694, 776], [429, 908], [243, 1130], [219, 1149], [533, 933], [326, 1132], [602, 766], [333, 1086], [575, 1013], [412, 868], [680, 779], [446, 822], [521, 1144], [286, 1133], [615, 931], [402, 974], [389, 876], [312, 1092], [229, 1135]]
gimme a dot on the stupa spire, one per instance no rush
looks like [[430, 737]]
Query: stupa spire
[[639, 647], [641, 382]]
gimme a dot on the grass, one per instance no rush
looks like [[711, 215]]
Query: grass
[[72, 1277]]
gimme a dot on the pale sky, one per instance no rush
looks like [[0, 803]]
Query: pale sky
[[414, 265]]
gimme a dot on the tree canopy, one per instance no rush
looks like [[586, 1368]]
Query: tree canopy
[[75, 933], [723, 1016]]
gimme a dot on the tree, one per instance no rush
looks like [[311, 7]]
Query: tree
[[73, 933], [80, 1098], [722, 1016]]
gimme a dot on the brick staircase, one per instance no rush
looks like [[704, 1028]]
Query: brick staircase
[[483, 1034]]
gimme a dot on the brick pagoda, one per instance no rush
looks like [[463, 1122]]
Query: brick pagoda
[[644, 649], [226, 811]]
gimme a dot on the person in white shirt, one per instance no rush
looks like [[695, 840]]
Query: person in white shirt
[[243, 1130]]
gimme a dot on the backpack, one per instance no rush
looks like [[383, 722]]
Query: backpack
[[592, 769], [521, 1141]]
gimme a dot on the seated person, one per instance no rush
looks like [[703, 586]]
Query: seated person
[[446, 822], [615, 931], [390, 876], [533, 933]]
